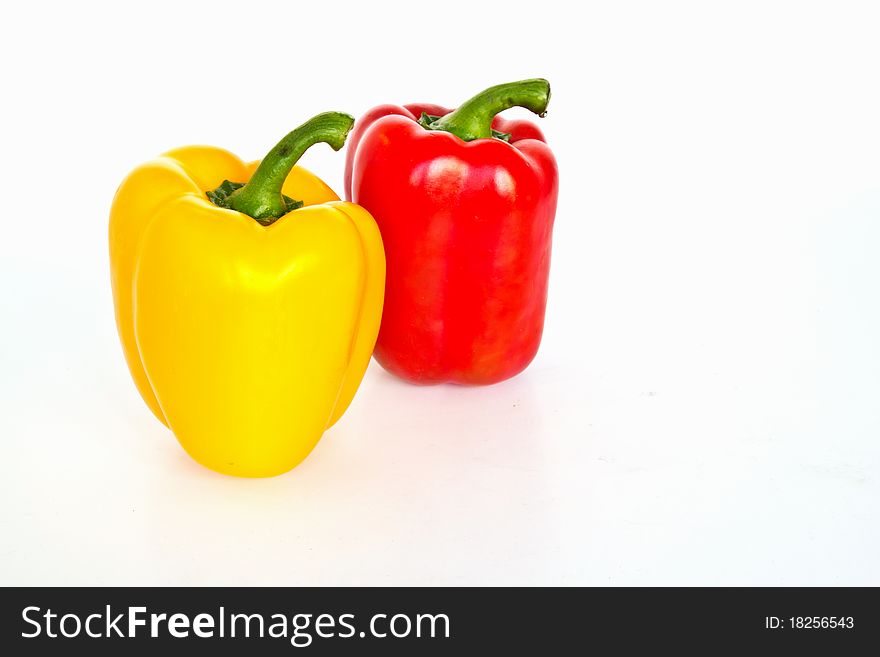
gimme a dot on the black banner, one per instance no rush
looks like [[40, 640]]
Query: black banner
[[419, 621]]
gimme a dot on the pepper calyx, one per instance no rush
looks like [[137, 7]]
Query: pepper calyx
[[426, 120], [220, 198]]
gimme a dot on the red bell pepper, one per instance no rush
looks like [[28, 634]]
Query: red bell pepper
[[465, 202]]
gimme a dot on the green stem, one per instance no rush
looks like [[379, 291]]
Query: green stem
[[473, 119], [261, 197]]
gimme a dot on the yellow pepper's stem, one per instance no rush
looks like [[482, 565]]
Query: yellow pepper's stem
[[261, 197]]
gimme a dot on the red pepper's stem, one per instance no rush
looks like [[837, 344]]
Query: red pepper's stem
[[261, 197], [473, 119]]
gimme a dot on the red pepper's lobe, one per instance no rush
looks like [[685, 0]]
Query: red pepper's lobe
[[467, 232], [413, 112], [516, 128]]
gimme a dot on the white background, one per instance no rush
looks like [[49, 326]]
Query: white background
[[704, 407]]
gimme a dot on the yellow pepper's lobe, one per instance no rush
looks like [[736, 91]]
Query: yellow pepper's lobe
[[247, 340]]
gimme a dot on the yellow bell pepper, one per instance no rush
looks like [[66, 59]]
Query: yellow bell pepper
[[246, 320]]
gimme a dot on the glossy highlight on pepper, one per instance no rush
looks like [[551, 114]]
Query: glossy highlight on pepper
[[247, 327]]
